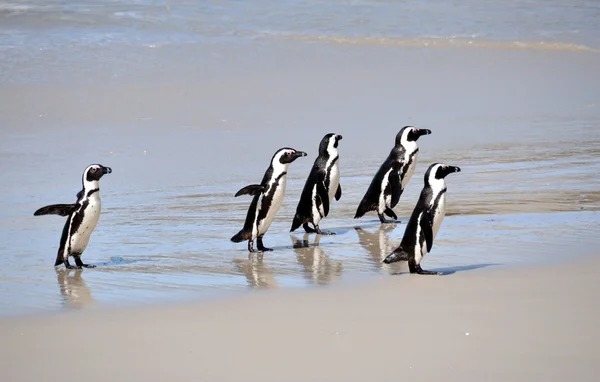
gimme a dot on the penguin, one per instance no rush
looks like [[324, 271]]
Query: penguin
[[425, 221], [393, 176], [82, 217], [322, 185], [268, 196]]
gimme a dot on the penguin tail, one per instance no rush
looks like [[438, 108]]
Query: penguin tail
[[59, 260], [241, 236], [362, 209], [397, 255], [296, 223]]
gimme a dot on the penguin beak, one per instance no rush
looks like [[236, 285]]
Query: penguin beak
[[338, 138], [299, 154], [106, 170], [424, 132], [454, 168]]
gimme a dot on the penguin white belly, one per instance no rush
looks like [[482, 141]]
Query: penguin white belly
[[80, 238], [317, 211], [276, 202], [439, 214], [334, 180], [384, 200], [420, 246], [409, 172]]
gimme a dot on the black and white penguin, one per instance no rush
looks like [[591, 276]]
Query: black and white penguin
[[393, 176], [82, 217], [268, 196], [425, 221], [322, 185]]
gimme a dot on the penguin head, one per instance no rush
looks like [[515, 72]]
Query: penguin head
[[329, 144], [94, 172], [286, 155], [410, 134], [438, 171]]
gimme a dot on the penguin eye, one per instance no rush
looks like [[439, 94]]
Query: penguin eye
[[93, 169]]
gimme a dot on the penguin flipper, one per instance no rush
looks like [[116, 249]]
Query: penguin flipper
[[253, 189], [427, 229], [396, 186], [324, 196], [398, 255], [338, 193], [56, 209]]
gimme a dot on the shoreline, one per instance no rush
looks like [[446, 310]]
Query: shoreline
[[533, 322]]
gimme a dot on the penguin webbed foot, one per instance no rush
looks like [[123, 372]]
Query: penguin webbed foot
[[319, 232], [261, 247], [420, 271], [80, 263], [308, 229], [251, 246], [383, 220]]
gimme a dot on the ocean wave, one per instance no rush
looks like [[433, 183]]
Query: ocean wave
[[439, 42]]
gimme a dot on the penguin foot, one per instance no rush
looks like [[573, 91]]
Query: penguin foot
[[424, 272], [319, 232], [80, 263], [261, 247], [69, 266], [383, 220], [308, 229], [251, 246], [420, 271]]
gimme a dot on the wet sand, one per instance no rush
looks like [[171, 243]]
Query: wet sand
[[186, 127], [520, 325]]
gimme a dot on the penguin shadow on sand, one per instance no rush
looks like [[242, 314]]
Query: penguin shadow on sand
[[378, 244], [319, 269], [75, 292], [258, 275]]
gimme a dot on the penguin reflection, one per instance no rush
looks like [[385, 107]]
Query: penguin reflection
[[377, 243], [318, 267], [257, 273], [75, 292]]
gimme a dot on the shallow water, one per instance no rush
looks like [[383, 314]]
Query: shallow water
[[185, 123]]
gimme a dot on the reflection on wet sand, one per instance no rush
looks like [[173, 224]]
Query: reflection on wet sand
[[257, 273], [75, 292], [378, 243], [318, 267]]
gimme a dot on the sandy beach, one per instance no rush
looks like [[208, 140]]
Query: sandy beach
[[527, 324], [187, 102]]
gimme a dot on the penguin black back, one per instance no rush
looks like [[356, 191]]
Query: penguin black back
[[393, 175], [321, 186]]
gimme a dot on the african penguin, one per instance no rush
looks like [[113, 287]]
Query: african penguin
[[82, 217], [322, 185], [393, 176], [425, 220], [268, 196]]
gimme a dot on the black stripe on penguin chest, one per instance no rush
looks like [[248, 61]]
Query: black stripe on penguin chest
[[78, 217], [409, 162], [328, 172], [267, 200]]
